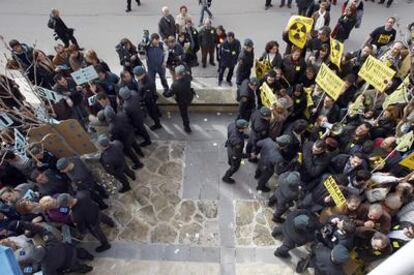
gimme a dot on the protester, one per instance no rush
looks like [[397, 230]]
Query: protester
[[62, 32], [341, 160]]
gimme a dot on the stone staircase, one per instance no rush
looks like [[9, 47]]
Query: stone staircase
[[209, 97]]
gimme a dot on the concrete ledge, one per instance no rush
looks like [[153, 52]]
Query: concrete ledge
[[209, 98]]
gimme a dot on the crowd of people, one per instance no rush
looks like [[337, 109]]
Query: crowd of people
[[304, 139]]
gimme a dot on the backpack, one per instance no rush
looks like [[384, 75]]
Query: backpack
[[51, 23]]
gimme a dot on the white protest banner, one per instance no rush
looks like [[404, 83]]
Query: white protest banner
[[84, 75], [20, 143], [5, 121], [48, 94]]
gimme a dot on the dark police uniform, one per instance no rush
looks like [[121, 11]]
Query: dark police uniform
[[83, 179], [184, 95], [260, 130], [235, 145], [246, 62], [296, 236], [113, 160], [286, 193], [87, 217], [132, 108], [247, 102], [120, 129], [229, 54], [148, 91], [270, 159]]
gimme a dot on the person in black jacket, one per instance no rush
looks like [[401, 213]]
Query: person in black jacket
[[86, 216], [54, 256], [325, 260], [147, 91], [235, 145], [184, 94], [132, 107], [129, 5], [246, 62], [82, 178], [247, 93], [119, 128], [113, 160], [286, 193], [315, 162], [50, 182], [128, 54], [191, 37], [298, 229], [44, 159], [260, 121], [166, 26], [228, 56], [271, 160], [62, 32], [338, 230], [329, 109]]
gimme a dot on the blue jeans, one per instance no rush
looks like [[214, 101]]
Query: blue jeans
[[204, 8]]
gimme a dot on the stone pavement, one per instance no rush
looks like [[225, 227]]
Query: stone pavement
[[180, 216]]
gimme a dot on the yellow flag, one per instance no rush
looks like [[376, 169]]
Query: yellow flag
[[376, 73], [330, 82], [408, 161], [298, 28], [262, 68], [399, 95], [267, 96], [404, 143], [337, 50]]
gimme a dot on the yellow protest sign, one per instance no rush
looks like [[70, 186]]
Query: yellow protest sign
[[337, 50], [330, 82], [404, 143], [298, 28], [334, 191], [376, 73], [408, 161], [262, 68], [267, 96], [399, 95]]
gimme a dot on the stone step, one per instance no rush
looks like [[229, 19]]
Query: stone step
[[209, 97]]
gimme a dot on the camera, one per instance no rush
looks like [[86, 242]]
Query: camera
[[144, 43]]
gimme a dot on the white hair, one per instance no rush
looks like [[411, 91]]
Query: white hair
[[165, 9]]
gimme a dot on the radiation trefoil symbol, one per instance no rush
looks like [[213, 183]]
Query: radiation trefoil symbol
[[298, 31]]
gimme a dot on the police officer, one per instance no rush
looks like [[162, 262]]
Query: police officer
[[53, 256], [132, 108], [235, 145], [325, 260], [184, 94], [247, 97], [271, 160], [228, 56], [82, 178], [87, 216], [260, 121], [120, 129], [246, 62], [298, 229], [286, 193], [147, 90], [113, 160]]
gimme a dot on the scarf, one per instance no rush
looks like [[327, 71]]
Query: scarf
[[320, 22]]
